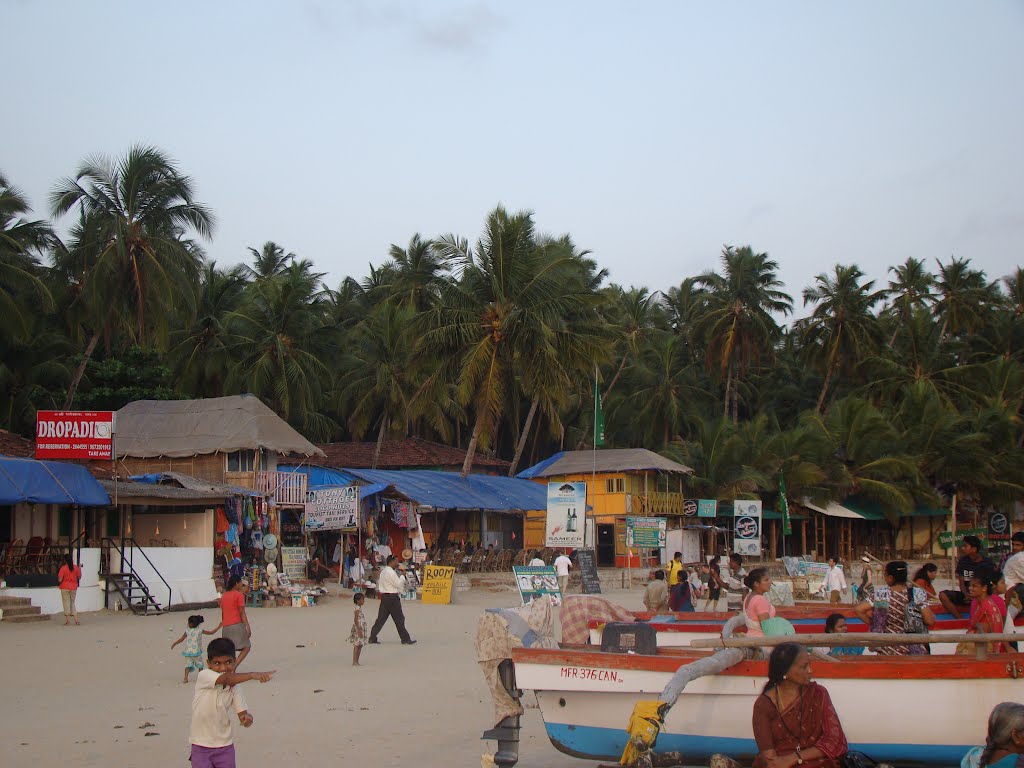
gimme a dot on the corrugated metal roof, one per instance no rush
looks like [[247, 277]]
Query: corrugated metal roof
[[126, 490], [604, 460], [449, 490]]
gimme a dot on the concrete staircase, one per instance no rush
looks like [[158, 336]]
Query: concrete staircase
[[18, 610]]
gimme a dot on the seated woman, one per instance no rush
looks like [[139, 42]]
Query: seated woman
[[924, 577], [756, 607], [1005, 739], [984, 616], [794, 720], [835, 624], [885, 609]]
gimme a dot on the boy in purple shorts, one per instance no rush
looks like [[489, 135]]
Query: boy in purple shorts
[[216, 696]]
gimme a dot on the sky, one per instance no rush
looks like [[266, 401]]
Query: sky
[[653, 133]]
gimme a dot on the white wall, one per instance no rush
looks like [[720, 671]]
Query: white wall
[[188, 571], [185, 529], [89, 597]]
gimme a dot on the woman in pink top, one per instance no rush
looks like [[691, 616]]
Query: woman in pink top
[[756, 607], [68, 577]]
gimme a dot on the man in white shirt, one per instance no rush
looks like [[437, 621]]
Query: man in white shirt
[[390, 587], [562, 567], [835, 581], [537, 562], [1013, 573]]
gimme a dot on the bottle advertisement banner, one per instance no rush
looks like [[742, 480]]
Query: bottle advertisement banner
[[567, 505], [747, 533]]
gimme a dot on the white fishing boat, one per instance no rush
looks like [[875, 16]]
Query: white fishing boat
[[678, 630], [926, 711]]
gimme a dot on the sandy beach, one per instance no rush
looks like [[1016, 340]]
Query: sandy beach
[[89, 695]]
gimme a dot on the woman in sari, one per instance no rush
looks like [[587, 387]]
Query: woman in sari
[[985, 616], [1005, 739], [795, 723], [884, 609]]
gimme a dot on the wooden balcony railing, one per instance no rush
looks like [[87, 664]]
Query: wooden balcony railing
[[656, 504], [288, 489]]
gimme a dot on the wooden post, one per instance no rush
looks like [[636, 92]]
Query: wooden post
[[803, 536]]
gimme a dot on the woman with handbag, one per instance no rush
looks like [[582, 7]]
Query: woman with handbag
[[896, 609], [794, 721]]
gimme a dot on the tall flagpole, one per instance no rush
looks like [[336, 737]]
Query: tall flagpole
[[593, 474]]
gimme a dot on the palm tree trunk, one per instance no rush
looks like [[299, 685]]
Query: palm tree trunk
[[522, 438], [736, 401], [80, 371], [380, 440], [824, 388], [728, 388], [615, 378], [471, 450]]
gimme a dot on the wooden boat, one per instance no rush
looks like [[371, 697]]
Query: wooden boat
[[677, 630], [926, 711]]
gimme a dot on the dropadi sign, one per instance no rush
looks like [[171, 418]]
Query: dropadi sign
[[74, 434]]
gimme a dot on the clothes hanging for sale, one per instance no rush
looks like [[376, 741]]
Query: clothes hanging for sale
[[410, 516], [397, 514], [231, 535], [222, 520], [231, 507]]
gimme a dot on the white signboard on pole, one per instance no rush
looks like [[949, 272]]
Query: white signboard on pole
[[747, 530], [567, 514], [332, 509]]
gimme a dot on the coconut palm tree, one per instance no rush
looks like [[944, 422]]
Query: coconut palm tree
[[636, 312], [964, 297], [738, 325], [508, 299], [22, 291], [912, 289], [203, 351], [378, 383], [281, 348], [269, 261], [842, 330], [418, 269], [138, 265]]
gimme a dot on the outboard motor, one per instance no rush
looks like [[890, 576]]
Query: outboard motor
[[506, 733]]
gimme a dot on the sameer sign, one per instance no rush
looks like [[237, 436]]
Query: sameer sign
[[74, 434]]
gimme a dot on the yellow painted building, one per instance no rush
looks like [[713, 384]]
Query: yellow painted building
[[620, 482]]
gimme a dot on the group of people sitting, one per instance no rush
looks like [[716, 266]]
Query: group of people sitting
[[796, 724]]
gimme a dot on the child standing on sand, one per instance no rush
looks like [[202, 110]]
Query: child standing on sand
[[358, 634], [217, 693], [193, 639]]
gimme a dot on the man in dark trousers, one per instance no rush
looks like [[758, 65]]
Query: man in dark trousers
[[390, 587]]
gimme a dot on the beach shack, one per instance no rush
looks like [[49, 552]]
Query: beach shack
[[621, 483], [203, 488], [43, 508]]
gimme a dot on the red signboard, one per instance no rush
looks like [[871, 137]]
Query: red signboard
[[74, 434]]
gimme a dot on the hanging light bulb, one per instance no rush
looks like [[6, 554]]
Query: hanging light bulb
[[158, 526]]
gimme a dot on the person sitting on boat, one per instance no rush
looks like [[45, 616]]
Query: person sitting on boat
[[835, 624], [794, 721], [885, 609], [968, 566], [656, 593], [924, 577], [1005, 740], [984, 616], [756, 607]]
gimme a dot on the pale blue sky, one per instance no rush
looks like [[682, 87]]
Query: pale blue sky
[[820, 132]]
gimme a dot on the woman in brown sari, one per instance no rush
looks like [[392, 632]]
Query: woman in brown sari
[[795, 723]]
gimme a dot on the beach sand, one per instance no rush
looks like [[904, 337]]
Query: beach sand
[[88, 695]]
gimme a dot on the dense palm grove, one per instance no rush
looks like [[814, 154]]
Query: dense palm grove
[[897, 392]]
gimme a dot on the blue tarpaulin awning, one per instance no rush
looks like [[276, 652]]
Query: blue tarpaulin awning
[[48, 482], [447, 490]]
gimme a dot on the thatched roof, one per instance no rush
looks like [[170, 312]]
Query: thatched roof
[[149, 428]]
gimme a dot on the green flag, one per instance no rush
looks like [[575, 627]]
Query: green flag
[[598, 416], [787, 527]]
